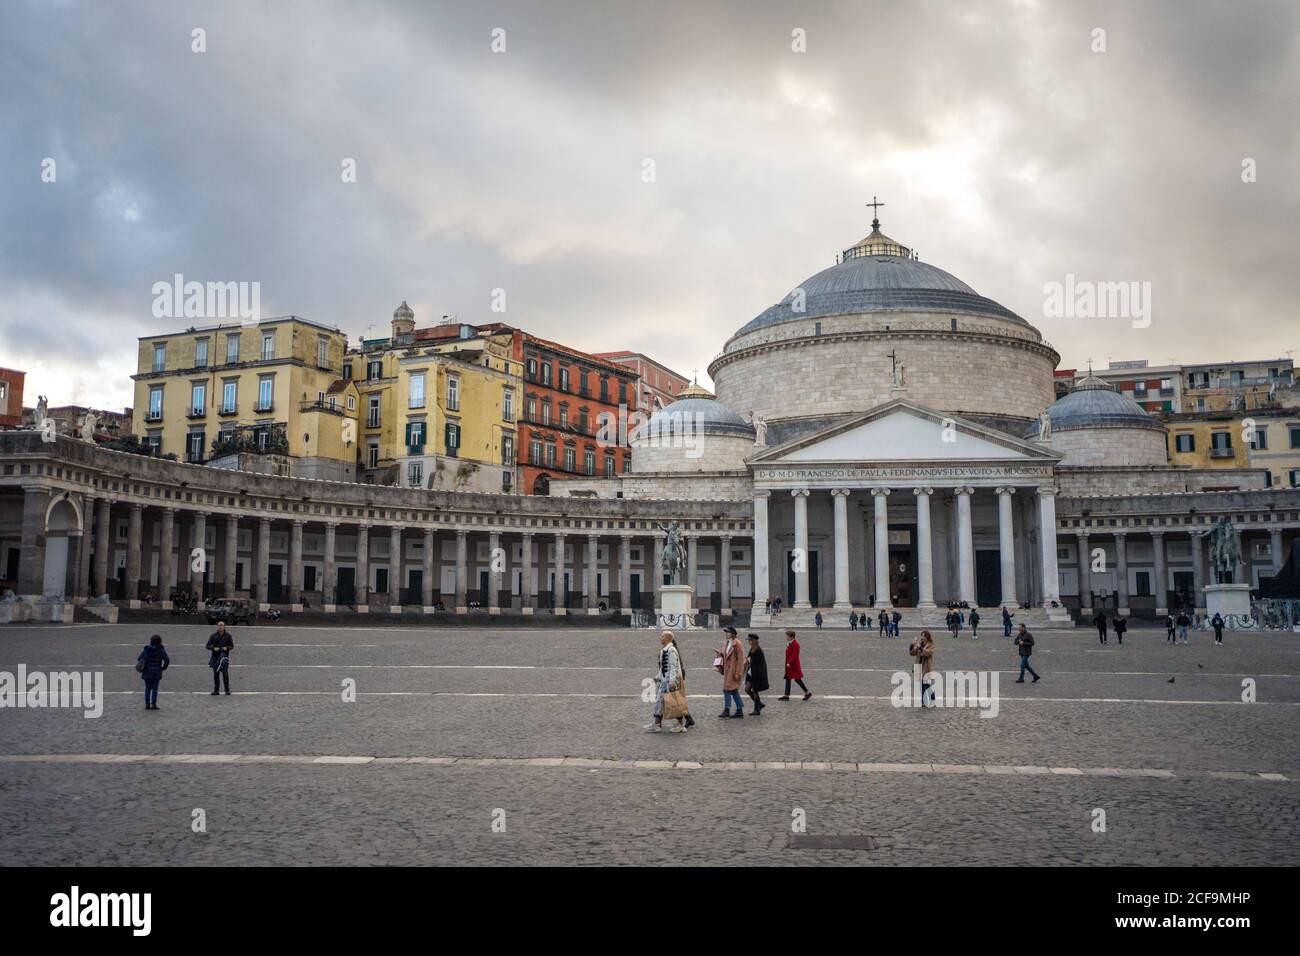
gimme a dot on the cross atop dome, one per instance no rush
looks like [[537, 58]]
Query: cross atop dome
[[876, 244]]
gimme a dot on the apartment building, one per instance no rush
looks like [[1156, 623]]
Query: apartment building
[[262, 388], [11, 397], [657, 384], [1157, 388]]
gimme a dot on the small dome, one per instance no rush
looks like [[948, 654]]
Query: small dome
[[403, 311], [1093, 403], [695, 409]]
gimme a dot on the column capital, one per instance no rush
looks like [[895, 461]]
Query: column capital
[[526, 535], [1082, 535], [1158, 534], [841, 492], [762, 493], [298, 522], [462, 533], [1004, 490], [799, 492], [963, 490], [136, 506], [880, 492], [925, 490], [264, 520], [592, 537], [1120, 532], [1046, 491], [724, 537]]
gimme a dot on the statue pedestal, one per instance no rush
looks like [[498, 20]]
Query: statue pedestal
[[676, 605], [1230, 601]]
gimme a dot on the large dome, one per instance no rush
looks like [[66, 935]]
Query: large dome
[[879, 283], [696, 433]]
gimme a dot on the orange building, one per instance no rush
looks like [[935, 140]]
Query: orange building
[[11, 397]]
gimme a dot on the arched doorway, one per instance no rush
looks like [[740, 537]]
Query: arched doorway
[[62, 534], [542, 485]]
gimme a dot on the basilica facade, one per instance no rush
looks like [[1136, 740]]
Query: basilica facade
[[883, 437]]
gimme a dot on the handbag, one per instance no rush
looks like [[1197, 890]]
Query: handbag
[[139, 667], [675, 704]]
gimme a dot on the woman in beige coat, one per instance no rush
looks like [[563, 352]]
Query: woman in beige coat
[[732, 669], [923, 650]]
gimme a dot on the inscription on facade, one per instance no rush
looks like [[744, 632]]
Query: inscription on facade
[[867, 473]]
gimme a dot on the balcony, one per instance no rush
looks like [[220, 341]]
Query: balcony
[[262, 407], [372, 421], [1221, 453], [228, 410], [153, 416], [198, 412], [333, 408]]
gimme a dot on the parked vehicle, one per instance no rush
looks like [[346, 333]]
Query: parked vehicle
[[232, 611]]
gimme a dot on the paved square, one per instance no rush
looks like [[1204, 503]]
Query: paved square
[[458, 734]]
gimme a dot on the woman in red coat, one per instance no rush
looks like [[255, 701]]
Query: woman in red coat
[[793, 669]]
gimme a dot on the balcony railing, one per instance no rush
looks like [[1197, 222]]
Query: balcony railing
[[264, 406], [197, 412], [228, 410], [153, 416], [1221, 453]]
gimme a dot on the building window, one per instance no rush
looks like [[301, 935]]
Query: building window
[[627, 462], [609, 466], [507, 450], [589, 461], [155, 403], [268, 346], [372, 455], [198, 398], [1142, 580], [374, 370], [1184, 443], [622, 392], [194, 446], [372, 412], [416, 399], [508, 405], [322, 351], [159, 356], [546, 411], [532, 409], [229, 395], [582, 383], [546, 374], [154, 440], [564, 378], [1259, 439], [200, 353], [1295, 477], [453, 393], [347, 371], [232, 348], [1220, 444], [564, 415], [415, 474], [414, 437], [550, 455], [582, 420], [535, 451], [507, 480], [1295, 435], [452, 434], [265, 393], [530, 367], [570, 460]]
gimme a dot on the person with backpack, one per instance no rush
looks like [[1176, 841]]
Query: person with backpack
[[153, 660], [974, 625], [220, 644], [1216, 622], [1025, 641], [923, 650], [756, 675], [793, 667]]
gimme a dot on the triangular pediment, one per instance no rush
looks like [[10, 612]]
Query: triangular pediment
[[901, 431]]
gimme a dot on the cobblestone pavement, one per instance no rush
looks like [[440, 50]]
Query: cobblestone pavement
[[1185, 772]]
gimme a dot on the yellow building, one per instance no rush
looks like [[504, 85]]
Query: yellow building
[[263, 388], [438, 405], [1259, 438]]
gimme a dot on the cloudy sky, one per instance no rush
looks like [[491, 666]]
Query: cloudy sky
[[1007, 149]]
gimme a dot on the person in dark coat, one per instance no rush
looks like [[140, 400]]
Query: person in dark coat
[[1025, 641], [1216, 622], [884, 624], [1121, 625], [1101, 626], [220, 644], [893, 622], [756, 677], [1169, 628], [853, 620], [1006, 621], [793, 667], [818, 620], [974, 625], [155, 661]]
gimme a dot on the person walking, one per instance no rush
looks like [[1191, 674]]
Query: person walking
[[1216, 622], [153, 660], [923, 650], [1006, 621], [681, 665], [853, 620], [883, 621], [220, 644], [818, 620], [730, 662], [1025, 641], [1120, 624], [793, 667], [1183, 622], [1169, 628], [1100, 621], [894, 620], [756, 675], [667, 679], [954, 622], [974, 625]]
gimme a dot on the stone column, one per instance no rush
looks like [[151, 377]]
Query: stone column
[[657, 573], [329, 586], [426, 576], [1085, 571], [1161, 584], [526, 575], [1121, 573], [395, 568], [494, 575], [31, 558], [264, 561], [924, 549], [103, 531], [84, 552], [1275, 550], [166, 545], [231, 556], [72, 566], [1198, 574], [692, 561], [625, 573], [559, 590], [462, 572], [839, 501], [801, 558], [592, 592], [1007, 547], [363, 569], [724, 574], [761, 581], [295, 565], [1047, 544], [965, 547], [880, 532], [133, 536], [198, 542]]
